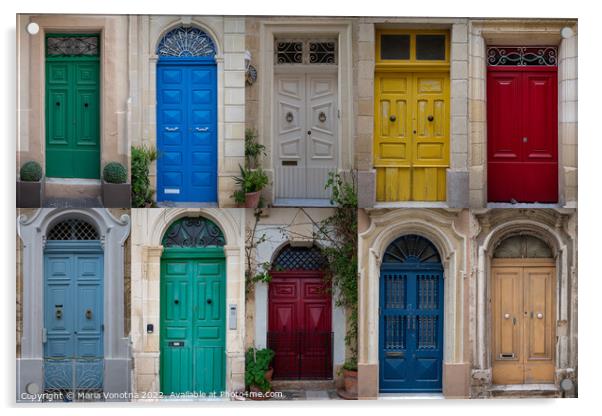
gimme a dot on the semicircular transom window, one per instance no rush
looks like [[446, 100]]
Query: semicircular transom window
[[412, 249], [73, 229], [186, 42], [193, 232], [299, 258], [523, 246]]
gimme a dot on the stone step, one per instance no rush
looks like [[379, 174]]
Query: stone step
[[524, 391], [279, 385], [72, 188]]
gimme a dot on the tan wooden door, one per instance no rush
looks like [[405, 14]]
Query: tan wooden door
[[524, 321]]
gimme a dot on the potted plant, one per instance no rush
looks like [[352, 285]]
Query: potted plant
[[253, 150], [349, 391], [258, 372], [115, 189], [251, 182], [142, 194], [30, 186]]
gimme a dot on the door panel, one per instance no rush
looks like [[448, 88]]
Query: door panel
[[522, 136], [192, 325], [411, 330], [523, 324], [73, 319], [73, 119], [306, 134], [299, 326], [187, 133], [411, 147]]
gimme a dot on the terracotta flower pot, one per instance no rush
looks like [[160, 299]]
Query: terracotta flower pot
[[252, 199], [269, 374], [350, 380]]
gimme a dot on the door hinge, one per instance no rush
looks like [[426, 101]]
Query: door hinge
[[338, 113], [379, 311], [102, 327], [44, 335]]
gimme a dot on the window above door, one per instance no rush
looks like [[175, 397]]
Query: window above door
[[406, 47], [305, 51]]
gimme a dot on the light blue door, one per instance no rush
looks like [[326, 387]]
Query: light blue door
[[73, 316], [411, 317], [187, 130]]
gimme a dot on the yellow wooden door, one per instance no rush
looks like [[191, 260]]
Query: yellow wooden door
[[523, 329], [411, 135]]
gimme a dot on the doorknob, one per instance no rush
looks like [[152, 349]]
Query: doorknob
[[209, 301], [88, 313], [309, 132], [289, 117], [176, 301], [86, 105], [506, 316], [430, 118], [539, 315], [525, 139], [392, 118]]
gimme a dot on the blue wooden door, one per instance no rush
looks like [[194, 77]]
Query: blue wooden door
[[187, 130], [411, 317], [73, 316]]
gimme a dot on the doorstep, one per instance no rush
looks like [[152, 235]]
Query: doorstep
[[514, 391], [302, 202], [521, 205], [169, 204], [410, 396], [411, 204], [71, 188]]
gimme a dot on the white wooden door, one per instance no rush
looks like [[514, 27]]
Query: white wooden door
[[306, 138]]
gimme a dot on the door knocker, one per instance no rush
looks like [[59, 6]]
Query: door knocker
[[392, 118], [322, 117], [58, 311], [88, 313], [289, 117], [430, 118]]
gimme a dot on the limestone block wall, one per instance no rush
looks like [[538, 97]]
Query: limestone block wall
[[148, 227], [115, 47], [364, 42], [521, 32], [228, 33]]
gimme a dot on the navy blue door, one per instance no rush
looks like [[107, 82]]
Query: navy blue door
[[187, 130], [73, 315], [411, 317]]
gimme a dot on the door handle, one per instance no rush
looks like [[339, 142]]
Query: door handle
[[539, 315], [525, 139], [172, 128], [513, 321], [202, 128]]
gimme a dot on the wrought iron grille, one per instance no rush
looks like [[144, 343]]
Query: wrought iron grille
[[428, 291], [186, 41], [299, 258], [522, 246], [72, 45], [294, 51], [73, 229], [395, 332], [74, 379], [395, 291], [522, 56], [301, 354], [412, 248], [193, 232], [428, 327]]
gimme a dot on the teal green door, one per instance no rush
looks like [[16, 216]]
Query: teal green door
[[193, 325], [72, 106]]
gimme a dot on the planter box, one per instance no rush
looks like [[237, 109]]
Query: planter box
[[30, 194], [116, 195]]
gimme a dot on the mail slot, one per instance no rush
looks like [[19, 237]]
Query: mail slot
[[395, 354], [289, 163], [175, 343], [507, 356]]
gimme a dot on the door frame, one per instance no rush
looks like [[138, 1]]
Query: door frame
[[113, 234], [304, 274], [192, 61], [544, 226], [341, 30], [195, 253]]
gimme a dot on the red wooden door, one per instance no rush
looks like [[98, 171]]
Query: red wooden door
[[299, 325], [522, 134]]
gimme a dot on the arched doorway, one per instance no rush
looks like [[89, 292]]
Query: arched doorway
[[193, 307], [73, 331], [186, 117], [300, 315], [523, 315], [411, 317]]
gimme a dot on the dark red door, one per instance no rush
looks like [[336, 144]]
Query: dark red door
[[522, 134], [299, 325]]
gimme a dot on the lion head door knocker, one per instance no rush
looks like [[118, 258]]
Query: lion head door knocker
[[289, 117], [322, 117]]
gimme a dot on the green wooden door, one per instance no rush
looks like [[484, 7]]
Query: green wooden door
[[193, 324], [72, 106]]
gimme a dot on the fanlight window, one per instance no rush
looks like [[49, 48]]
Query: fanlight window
[[193, 232], [72, 229], [523, 246], [292, 51], [72, 45], [186, 42], [411, 249], [299, 258], [522, 56]]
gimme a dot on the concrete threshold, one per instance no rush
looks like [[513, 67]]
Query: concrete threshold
[[302, 202], [73, 181], [411, 204], [523, 387], [410, 396], [167, 204]]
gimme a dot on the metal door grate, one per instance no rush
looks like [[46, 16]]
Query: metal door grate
[[74, 379]]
